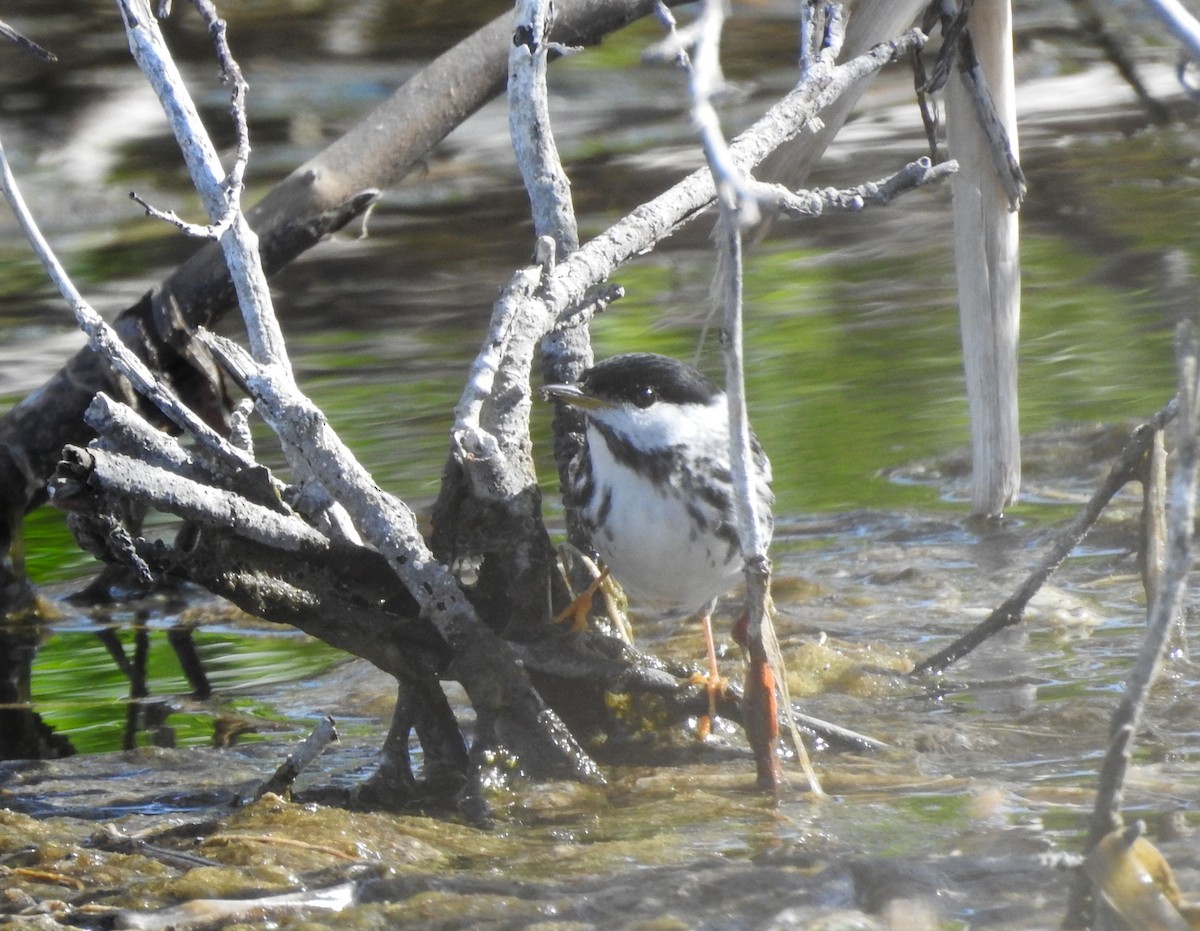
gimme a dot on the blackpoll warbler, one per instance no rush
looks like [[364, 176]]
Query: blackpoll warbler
[[653, 485]]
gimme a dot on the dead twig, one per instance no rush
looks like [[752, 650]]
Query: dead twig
[[1106, 814], [1127, 467], [314, 745], [26, 44], [803, 205]]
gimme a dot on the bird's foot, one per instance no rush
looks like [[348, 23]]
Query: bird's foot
[[717, 687], [577, 611]]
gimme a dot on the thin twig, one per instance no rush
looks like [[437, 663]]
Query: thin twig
[[1114, 47], [231, 74], [314, 745], [1106, 814], [1004, 157], [810, 28], [822, 30], [220, 192], [674, 46], [112, 838], [1124, 470], [193, 230], [574, 278], [738, 208], [26, 44], [104, 340], [953, 27], [802, 205], [515, 309], [705, 81], [529, 126], [516, 317], [1182, 23]]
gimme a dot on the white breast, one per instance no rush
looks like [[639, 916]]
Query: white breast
[[654, 560]]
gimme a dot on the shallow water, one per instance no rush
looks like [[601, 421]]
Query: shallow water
[[856, 392]]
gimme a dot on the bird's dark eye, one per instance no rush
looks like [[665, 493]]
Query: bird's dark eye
[[645, 397]]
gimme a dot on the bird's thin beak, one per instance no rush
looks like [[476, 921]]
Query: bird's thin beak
[[573, 395]]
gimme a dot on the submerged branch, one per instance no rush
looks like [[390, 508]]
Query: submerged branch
[[314, 745], [1126, 720], [1125, 469]]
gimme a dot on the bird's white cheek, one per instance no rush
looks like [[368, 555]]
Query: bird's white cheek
[[668, 425]]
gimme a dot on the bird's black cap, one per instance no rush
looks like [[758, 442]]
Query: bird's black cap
[[627, 378]]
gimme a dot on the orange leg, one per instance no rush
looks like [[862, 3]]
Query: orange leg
[[713, 683], [577, 610]]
